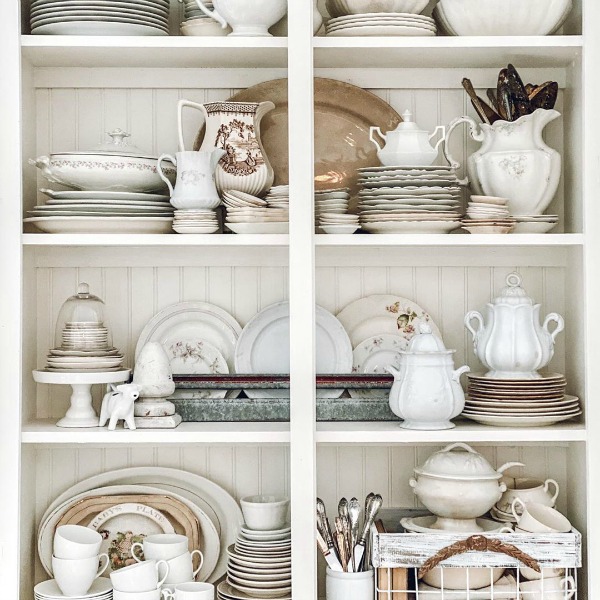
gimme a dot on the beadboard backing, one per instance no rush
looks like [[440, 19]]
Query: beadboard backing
[[134, 294]]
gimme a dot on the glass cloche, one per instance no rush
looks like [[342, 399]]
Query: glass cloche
[[80, 325]]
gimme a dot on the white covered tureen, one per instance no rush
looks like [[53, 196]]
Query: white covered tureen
[[114, 166]]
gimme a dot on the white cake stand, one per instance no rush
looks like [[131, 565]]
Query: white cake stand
[[81, 412]]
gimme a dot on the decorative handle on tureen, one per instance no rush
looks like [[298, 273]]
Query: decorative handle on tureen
[[475, 134], [374, 139], [456, 374], [43, 164], [474, 332], [459, 445], [180, 105], [160, 171], [213, 15], [560, 325], [547, 484]]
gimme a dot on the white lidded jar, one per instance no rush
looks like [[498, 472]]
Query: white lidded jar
[[349, 586]]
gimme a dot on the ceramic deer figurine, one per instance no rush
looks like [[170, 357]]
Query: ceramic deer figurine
[[118, 404]]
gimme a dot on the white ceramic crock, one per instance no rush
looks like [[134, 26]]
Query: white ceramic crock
[[349, 586]]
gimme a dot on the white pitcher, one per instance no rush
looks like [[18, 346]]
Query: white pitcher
[[195, 187], [246, 18], [513, 162]]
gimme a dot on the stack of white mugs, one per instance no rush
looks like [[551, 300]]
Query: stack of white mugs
[[164, 568]]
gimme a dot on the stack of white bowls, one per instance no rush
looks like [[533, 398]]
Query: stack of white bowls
[[195, 221], [196, 22], [278, 196], [338, 223], [250, 214], [488, 214], [332, 201], [535, 223]]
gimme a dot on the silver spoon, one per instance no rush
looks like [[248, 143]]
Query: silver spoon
[[343, 508], [354, 516], [324, 523], [374, 507]]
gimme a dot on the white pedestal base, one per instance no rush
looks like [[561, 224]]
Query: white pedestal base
[[153, 407]]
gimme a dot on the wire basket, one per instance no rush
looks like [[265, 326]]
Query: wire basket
[[504, 566]]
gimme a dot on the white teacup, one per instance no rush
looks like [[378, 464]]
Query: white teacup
[[528, 490], [265, 512], [75, 541], [554, 588], [75, 576], [181, 568], [161, 546], [151, 595], [194, 591], [549, 573], [538, 518], [139, 577]]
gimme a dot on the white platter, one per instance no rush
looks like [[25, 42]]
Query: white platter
[[383, 314], [114, 196], [431, 227], [520, 421], [96, 28], [194, 322], [50, 589], [195, 488], [372, 356], [264, 347], [124, 225], [210, 542], [259, 228]]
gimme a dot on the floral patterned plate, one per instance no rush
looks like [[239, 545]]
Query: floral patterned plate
[[383, 314], [373, 356]]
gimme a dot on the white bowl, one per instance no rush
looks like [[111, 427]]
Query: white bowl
[[531, 227], [343, 229], [340, 8], [265, 512], [456, 579], [510, 17]]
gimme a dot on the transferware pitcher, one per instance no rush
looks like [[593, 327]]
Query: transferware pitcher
[[513, 162], [235, 128]]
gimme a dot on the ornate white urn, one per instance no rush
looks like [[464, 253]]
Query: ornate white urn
[[513, 344]]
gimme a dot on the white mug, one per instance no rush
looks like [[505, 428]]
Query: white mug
[[161, 546], [139, 577], [181, 568], [553, 588], [75, 576], [75, 541], [151, 595], [194, 591], [538, 518]]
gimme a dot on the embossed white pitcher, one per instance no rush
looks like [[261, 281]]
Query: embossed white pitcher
[[513, 162]]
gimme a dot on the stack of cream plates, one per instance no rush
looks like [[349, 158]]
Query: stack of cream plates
[[338, 223], [260, 566], [195, 221], [278, 196], [249, 214], [331, 201], [409, 199], [488, 214], [384, 24], [48, 590], [197, 22], [100, 17], [519, 402], [535, 223]]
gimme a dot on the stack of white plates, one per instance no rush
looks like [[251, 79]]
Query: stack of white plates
[[195, 221], [381, 24], [197, 22], [409, 199], [519, 402], [338, 223], [100, 17], [48, 590], [249, 214], [260, 566], [84, 347], [535, 223], [488, 214], [278, 196], [76, 211]]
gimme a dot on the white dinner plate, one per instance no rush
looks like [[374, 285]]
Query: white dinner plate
[[97, 28], [520, 421], [227, 592], [381, 30], [105, 205], [383, 314], [263, 593], [274, 577], [95, 17], [122, 225], [272, 532], [259, 228], [114, 196], [430, 227], [264, 347], [373, 355], [139, 5], [138, 15], [259, 560]]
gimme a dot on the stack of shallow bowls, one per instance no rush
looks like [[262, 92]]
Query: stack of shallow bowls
[[333, 201], [91, 17], [488, 214], [535, 223], [196, 22], [195, 221], [250, 214], [338, 223], [278, 197]]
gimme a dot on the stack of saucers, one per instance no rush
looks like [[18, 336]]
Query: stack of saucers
[[48, 590], [334, 200], [249, 214], [195, 221], [535, 223], [338, 223], [488, 214], [278, 196], [259, 566], [381, 24], [197, 22], [409, 199]]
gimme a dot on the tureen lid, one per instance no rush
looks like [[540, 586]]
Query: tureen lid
[[458, 461], [117, 146], [426, 341], [513, 293]]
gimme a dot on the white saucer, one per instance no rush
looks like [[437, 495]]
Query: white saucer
[[50, 589]]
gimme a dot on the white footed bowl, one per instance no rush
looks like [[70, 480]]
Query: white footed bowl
[[510, 17]]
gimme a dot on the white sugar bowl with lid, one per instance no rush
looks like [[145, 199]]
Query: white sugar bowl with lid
[[407, 145], [426, 392], [458, 485], [513, 344]]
